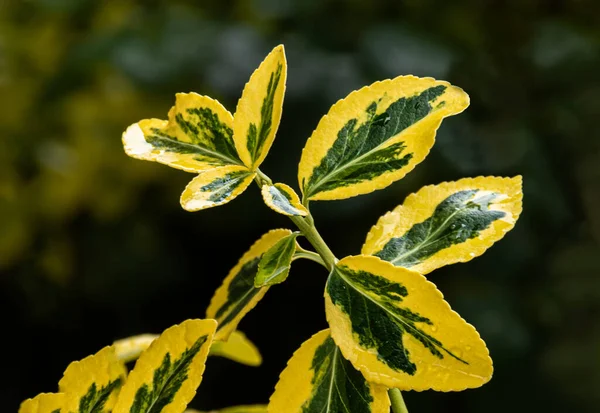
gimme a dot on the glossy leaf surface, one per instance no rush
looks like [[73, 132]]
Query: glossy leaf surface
[[395, 327], [318, 379], [375, 136], [167, 374], [282, 199], [215, 187], [259, 109], [447, 223], [198, 136]]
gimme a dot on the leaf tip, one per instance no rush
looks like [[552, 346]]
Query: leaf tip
[[134, 141]]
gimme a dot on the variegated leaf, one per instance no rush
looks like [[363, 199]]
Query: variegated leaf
[[215, 187], [237, 295], [375, 136], [275, 264], [44, 403], [198, 136], [395, 327], [91, 385], [318, 379], [237, 348], [259, 109], [281, 198], [167, 374], [130, 348], [447, 223]]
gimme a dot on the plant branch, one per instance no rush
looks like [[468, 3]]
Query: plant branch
[[398, 405], [310, 232]]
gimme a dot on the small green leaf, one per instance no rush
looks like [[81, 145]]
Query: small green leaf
[[275, 264], [238, 295]]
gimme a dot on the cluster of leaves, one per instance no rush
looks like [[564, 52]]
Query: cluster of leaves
[[389, 327], [167, 372]]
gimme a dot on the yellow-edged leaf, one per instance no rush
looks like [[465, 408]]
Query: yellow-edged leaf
[[130, 348], [167, 374], [44, 403], [237, 348], [375, 136], [92, 384], [281, 198], [447, 223], [215, 187], [319, 379], [197, 137], [395, 327], [237, 295], [259, 109]]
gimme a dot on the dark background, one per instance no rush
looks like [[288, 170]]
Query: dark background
[[94, 245]]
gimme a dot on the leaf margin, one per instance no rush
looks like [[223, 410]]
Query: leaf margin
[[312, 156], [293, 203], [361, 358], [247, 105], [282, 401], [146, 366], [413, 206], [258, 248]]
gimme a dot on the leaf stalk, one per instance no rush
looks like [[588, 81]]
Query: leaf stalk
[[309, 255], [398, 405], [308, 229]]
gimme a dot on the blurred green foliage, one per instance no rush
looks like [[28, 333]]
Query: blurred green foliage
[[94, 246]]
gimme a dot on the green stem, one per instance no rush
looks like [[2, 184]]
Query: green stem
[[309, 255], [307, 226], [312, 235], [398, 405], [262, 179]]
